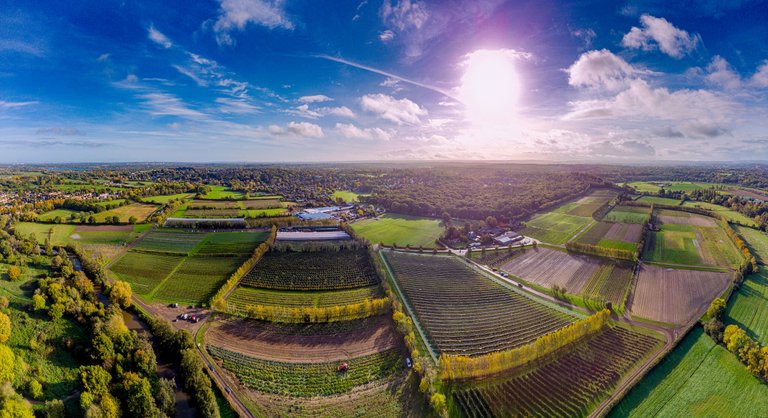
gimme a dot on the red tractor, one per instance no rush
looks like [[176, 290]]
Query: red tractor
[[343, 367]]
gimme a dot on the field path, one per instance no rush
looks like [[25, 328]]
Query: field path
[[581, 231], [128, 248]]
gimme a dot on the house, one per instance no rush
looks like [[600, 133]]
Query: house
[[508, 238]]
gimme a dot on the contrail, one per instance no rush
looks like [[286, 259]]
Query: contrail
[[387, 74]]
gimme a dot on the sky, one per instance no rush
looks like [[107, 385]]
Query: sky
[[338, 80]]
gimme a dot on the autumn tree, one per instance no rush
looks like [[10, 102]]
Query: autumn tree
[[120, 293], [5, 327], [14, 273]]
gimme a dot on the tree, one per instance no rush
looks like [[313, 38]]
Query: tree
[[165, 395], [5, 327], [7, 364], [4, 302], [132, 220], [138, 400], [716, 308], [438, 402], [55, 409], [120, 293], [35, 389], [14, 273], [95, 379], [491, 221]]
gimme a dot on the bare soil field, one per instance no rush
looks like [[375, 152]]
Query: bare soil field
[[675, 296], [104, 228], [299, 343], [624, 232], [693, 220], [547, 267]]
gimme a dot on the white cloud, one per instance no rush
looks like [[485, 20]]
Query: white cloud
[[164, 104], [658, 32], [13, 105], [191, 74], [236, 106], [305, 112], [760, 78], [302, 129], [387, 107], [103, 57], [386, 36], [586, 35], [237, 14], [158, 37], [317, 98], [405, 14], [600, 69], [348, 130], [720, 72]]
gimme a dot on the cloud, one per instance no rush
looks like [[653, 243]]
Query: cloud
[[191, 74], [14, 45], [157, 37], [600, 69], [236, 106], [305, 112], [387, 107], [760, 78], [667, 132], [348, 130], [13, 105], [405, 14], [60, 131], [703, 129], [302, 129], [386, 36], [586, 35], [103, 57], [238, 14], [720, 73], [658, 32], [315, 99], [627, 148], [165, 104]]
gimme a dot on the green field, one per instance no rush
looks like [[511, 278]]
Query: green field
[[554, 227], [138, 210], [64, 214], [757, 241], [222, 192], [731, 215], [698, 379], [348, 196], [170, 241], [59, 233], [748, 307], [400, 229], [672, 186], [198, 278], [673, 245], [244, 296], [162, 199], [258, 213], [659, 200], [145, 271], [627, 214]]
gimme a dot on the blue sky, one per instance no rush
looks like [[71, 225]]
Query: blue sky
[[272, 80]]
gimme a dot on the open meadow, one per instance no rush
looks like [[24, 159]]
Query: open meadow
[[559, 225], [139, 211], [348, 196], [698, 379], [757, 241], [401, 230], [748, 307]]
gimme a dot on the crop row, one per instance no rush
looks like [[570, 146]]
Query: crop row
[[610, 283], [494, 258], [170, 242], [326, 270], [232, 242], [570, 385], [144, 271], [245, 296], [465, 313], [307, 379], [198, 278]]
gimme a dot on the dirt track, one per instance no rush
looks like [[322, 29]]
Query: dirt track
[[321, 343]]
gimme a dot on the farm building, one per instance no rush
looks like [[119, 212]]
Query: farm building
[[508, 238], [311, 234]]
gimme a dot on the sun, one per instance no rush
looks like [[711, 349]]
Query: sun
[[490, 86]]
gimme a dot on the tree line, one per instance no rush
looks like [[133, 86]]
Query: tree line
[[454, 367]]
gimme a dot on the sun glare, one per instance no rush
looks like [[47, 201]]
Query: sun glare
[[490, 87]]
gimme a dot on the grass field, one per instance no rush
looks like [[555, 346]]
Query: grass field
[[672, 186], [659, 200], [145, 271], [64, 214], [348, 196], [554, 227], [400, 229], [731, 215], [198, 278], [167, 198], [748, 307], [698, 379], [757, 241], [627, 214], [222, 192], [59, 233], [138, 210]]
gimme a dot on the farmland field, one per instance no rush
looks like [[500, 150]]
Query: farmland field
[[757, 242], [348, 196], [59, 234], [659, 200], [554, 227], [162, 199], [675, 296], [170, 241], [313, 270], [145, 271], [138, 210], [400, 229], [624, 236], [628, 214], [198, 278], [222, 192], [672, 186], [231, 242], [307, 379], [569, 385], [698, 379], [244, 296], [748, 307], [463, 312], [579, 274], [729, 214], [304, 343], [61, 213]]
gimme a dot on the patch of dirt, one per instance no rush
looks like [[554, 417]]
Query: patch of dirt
[[104, 228], [694, 220], [75, 236], [322, 343]]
